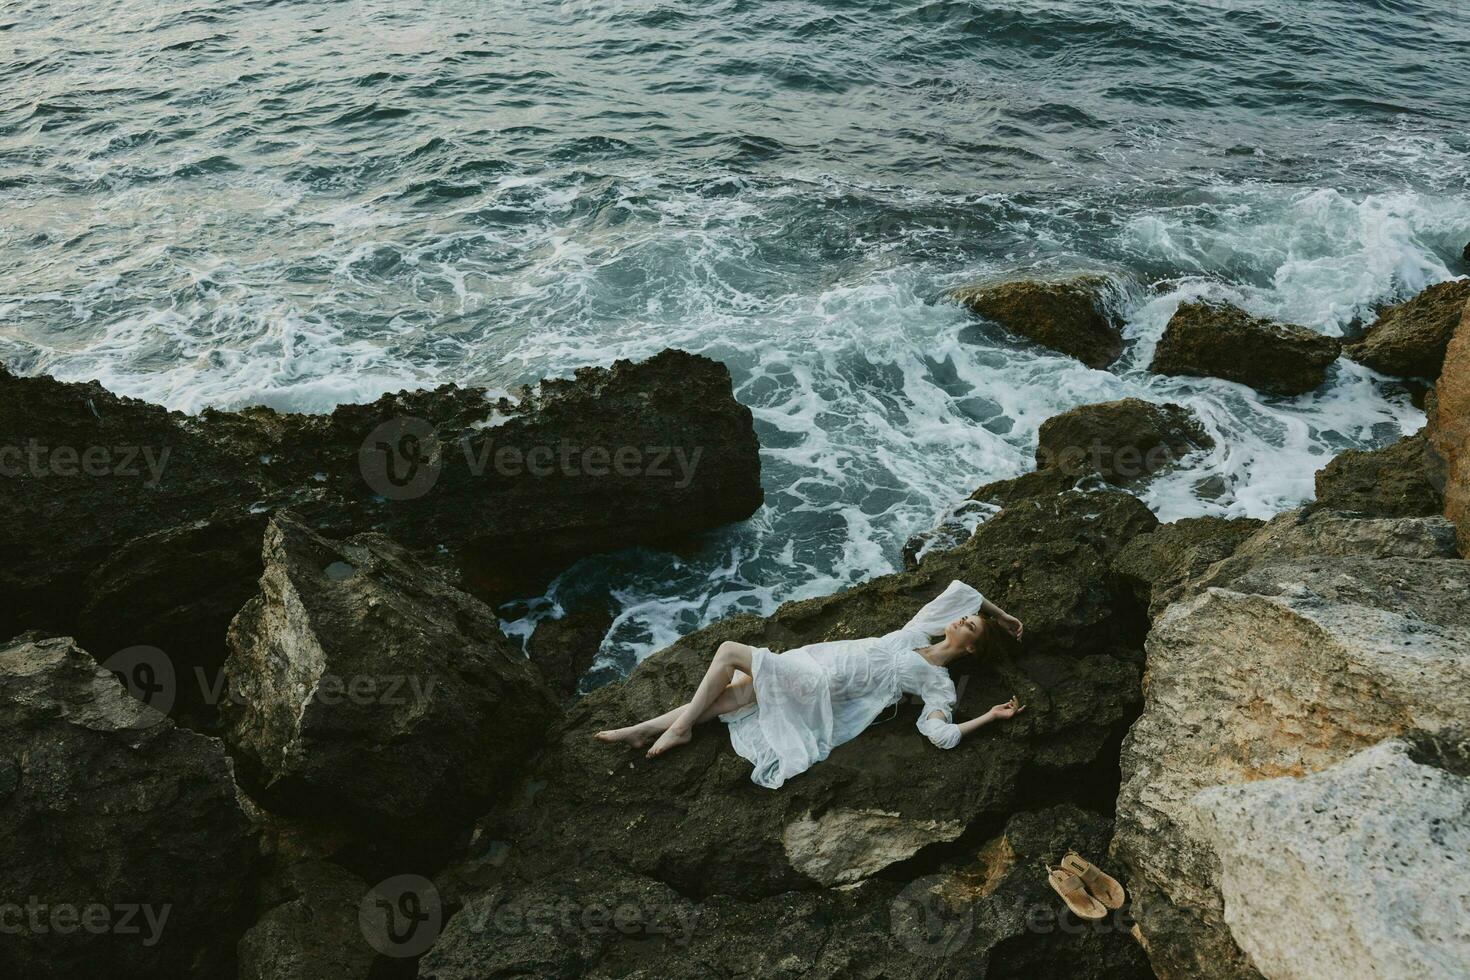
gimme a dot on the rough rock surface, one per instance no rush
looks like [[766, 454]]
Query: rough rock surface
[[1222, 341], [124, 840], [363, 687], [1332, 634], [1409, 340], [564, 648], [128, 524], [1383, 833], [1120, 443], [1403, 479], [1155, 566], [986, 912], [311, 930], [1071, 316], [693, 822], [1449, 428], [1123, 441]]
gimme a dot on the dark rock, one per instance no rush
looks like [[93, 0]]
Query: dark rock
[[364, 688], [952, 530], [1221, 341], [123, 830], [1070, 316], [1409, 340], [176, 590], [1155, 566], [987, 911], [129, 524], [564, 648], [1122, 441], [884, 810], [1403, 479], [1037, 483], [311, 931]]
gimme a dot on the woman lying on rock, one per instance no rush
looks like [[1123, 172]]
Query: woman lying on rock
[[788, 711]]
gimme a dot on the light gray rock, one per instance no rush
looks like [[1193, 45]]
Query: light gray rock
[[1308, 659], [845, 845], [1355, 871]]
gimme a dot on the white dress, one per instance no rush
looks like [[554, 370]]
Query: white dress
[[811, 699]]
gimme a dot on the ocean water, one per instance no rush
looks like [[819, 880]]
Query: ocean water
[[303, 203]]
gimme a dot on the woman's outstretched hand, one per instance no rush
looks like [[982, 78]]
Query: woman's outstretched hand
[[1011, 625], [1010, 709]]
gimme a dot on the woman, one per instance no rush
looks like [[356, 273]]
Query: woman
[[788, 711]]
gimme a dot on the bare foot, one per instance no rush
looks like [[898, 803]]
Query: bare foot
[[634, 735], [668, 740]]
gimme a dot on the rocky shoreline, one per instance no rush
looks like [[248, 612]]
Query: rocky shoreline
[[1232, 715]]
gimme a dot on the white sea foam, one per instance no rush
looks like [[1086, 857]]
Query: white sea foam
[[878, 407]]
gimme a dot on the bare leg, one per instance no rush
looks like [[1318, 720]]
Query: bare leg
[[729, 658], [737, 695]]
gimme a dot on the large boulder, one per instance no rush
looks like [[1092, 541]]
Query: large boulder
[[1223, 341], [987, 912], [1122, 441], [124, 840], [1409, 340], [1402, 479], [129, 525], [364, 688], [1326, 639], [693, 822], [1072, 316], [1449, 428], [1382, 833]]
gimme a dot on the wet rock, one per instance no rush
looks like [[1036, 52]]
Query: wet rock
[[1379, 833], [1222, 341], [1409, 340], [311, 931], [1071, 316], [564, 648], [952, 530], [985, 911], [847, 855], [365, 689], [1155, 566], [1313, 653], [1449, 428], [125, 842], [1403, 479], [1123, 441], [129, 524]]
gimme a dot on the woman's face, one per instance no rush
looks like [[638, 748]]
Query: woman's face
[[965, 633]]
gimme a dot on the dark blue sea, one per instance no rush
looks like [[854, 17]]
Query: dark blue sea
[[304, 203]]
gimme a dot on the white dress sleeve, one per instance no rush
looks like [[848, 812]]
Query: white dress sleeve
[[953, 603], [937, 690]]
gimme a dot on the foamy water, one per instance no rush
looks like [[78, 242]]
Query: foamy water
[[307, 204]]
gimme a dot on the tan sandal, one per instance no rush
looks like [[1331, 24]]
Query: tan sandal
[[1074, 893], [1101, 886]]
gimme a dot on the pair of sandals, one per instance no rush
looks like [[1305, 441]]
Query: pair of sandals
[[1088, 892]]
